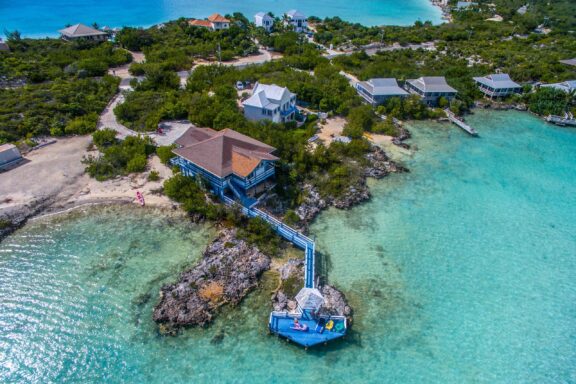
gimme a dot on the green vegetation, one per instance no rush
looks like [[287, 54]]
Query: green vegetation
[[176, 44], [41, 60], [117, 157], [64, 106], [54, 87]]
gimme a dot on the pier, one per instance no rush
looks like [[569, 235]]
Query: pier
[[460, 123], [303, 326]]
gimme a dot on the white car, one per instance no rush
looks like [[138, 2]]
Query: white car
[[239, 85]]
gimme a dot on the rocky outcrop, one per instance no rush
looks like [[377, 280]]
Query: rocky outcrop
[[291, 281], [313, 204], [228, 270], [335, 303], [378, 166]]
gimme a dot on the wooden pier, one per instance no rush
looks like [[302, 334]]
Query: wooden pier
[[460, 123]]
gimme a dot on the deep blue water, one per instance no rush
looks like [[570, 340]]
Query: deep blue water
[[461, 271], [37, 18]]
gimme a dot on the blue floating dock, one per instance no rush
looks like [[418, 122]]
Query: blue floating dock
[[282, 324]]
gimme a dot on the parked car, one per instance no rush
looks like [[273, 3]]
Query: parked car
[[239, 85]]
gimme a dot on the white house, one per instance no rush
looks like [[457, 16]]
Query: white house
[[377, 91], [264, 20], [270, 102], [431, 89], [497, 85], [215, 22], [297, 20]]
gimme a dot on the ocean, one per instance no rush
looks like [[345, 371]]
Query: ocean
[[461, 271], [35, 18]]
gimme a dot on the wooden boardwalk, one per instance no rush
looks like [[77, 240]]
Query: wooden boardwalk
[[460, 123]]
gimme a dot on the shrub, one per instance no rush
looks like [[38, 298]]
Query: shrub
[[154, 175], [165, 153], [104, 137]]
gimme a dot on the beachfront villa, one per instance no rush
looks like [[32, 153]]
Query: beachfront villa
[[230, 162], [431, 89], [497, 85], [264, 20], [297, 20], [566, 86], [377, 91], [214, 22], [82, 32], [9, 156], [270, 102]]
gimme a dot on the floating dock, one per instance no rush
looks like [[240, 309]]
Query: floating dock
[[460, 123], [302, 326]]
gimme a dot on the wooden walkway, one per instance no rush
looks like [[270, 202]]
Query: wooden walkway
[[460, 123], [288, 233]]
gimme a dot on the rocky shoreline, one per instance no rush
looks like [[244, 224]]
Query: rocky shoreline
[[379, 166], [291, 280], [228, 270]]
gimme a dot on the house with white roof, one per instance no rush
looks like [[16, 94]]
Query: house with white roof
[[270, 102], [377, 91], [264, 20], [297, 20], [497, 85], [566, 86], [82, 32], [431, 89]]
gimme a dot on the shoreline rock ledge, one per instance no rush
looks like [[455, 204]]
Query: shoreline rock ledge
[[228, 270]]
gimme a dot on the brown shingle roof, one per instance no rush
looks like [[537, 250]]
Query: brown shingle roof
[[223, 153], [218, 18], [200, 23]]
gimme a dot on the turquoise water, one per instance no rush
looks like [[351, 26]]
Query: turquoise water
[[36, 18], [461, 271]]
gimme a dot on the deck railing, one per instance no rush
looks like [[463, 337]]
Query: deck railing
[[288, 233]]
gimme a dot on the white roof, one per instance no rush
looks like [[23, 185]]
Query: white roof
[[294, 13], [263, 15], [80, 30], [432, 84], [268, 96], [566, 86], [383, 87], [310, 298], [498, 81]]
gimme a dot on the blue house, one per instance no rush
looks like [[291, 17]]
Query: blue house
[[232, 163]]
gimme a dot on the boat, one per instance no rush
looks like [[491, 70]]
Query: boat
[[140, 198], [567, 120]]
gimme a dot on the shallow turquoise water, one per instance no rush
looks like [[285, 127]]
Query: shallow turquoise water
[[41, 18], [460, 272]]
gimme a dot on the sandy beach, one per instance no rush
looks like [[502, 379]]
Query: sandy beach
[[52, 178]]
